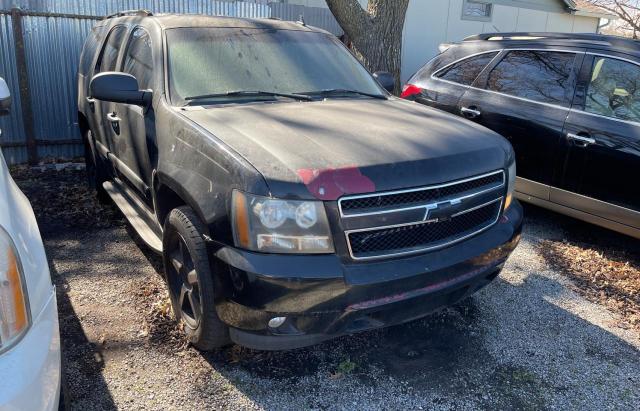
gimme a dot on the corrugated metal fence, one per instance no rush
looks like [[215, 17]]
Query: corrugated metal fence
[[40, 45]]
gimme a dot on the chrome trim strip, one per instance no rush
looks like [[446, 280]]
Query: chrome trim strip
[[509, 95], [421, 250], [619, 120], [413, 190], [613, 57], [532, 188], [477, 207]]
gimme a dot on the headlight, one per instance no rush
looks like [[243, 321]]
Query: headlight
[[511, 175], [14, 314], [280, 226]]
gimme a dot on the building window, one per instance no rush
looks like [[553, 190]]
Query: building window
[[476, 10]]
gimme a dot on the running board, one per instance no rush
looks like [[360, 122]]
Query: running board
[[137, 213]]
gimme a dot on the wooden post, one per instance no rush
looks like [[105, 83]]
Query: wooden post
[[23, 81]]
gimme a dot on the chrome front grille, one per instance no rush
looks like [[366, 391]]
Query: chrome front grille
[[394, 200], [452, 212]]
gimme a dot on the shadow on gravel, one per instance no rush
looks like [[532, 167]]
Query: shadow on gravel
[[82, 361]]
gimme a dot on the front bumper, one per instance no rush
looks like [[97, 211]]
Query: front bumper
[[30, 371], [328, 295]]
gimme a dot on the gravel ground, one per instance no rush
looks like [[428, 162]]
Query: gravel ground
[[527, 341]]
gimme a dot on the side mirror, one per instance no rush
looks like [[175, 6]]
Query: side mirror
[[386, 80], [5, 98], [118, 88]]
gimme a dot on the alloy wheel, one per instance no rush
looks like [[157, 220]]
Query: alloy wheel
[[184, 284]]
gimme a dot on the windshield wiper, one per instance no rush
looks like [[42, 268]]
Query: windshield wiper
[[333, 91], [250, 93]]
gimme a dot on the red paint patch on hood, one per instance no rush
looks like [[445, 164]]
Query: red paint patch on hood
[[331, 183]]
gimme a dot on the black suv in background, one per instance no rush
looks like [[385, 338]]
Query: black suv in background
[[292, 197], [568, 103]]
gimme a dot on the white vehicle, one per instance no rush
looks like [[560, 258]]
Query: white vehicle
[[30, 371]]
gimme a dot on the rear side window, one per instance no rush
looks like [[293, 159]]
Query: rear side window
[[544, 76], [138, 61], [111, 49], [89, 49], [614, 89], [466, 71]]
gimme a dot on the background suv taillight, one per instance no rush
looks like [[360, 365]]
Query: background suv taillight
[[410, 90]]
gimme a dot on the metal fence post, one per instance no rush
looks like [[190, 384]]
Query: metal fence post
[[23, 81]]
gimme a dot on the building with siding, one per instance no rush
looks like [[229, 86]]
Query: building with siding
[[432, 22]]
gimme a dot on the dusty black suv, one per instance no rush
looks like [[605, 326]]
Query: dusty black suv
[[293, 199], [570, 105]]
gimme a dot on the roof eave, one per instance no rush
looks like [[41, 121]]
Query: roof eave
[[602, 15]]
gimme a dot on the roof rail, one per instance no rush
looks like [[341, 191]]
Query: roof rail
[[602, 39], [140, 12], [536, 35]]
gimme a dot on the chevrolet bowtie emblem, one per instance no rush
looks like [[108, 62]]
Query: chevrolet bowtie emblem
[[442, 211]]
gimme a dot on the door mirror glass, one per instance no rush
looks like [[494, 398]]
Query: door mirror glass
[[386, 80], [118, 88], [5, 97]]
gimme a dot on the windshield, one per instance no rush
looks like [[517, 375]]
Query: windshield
[[216, 61]]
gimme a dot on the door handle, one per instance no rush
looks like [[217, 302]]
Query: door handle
[[470, 112], [113, 117], [581, 141]]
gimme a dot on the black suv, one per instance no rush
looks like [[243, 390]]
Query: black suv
[[292, 197], [568, 103]]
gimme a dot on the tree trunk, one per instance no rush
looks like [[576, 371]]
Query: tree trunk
[[376, 33]]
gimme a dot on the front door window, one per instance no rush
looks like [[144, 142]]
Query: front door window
[[614, 89]]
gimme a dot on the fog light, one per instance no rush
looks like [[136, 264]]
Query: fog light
[[276, 322]]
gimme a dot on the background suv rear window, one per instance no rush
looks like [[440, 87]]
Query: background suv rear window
[[466, 71], [544, 76]]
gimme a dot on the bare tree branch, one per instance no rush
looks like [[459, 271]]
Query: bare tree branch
[[628, 11]]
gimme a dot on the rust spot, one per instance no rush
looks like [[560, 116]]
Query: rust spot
[[331, 183]]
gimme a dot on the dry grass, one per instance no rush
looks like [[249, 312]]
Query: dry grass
[[609, 276]]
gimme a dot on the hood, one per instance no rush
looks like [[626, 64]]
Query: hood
[[325, 149]]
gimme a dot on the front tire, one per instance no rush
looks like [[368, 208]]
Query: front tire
[[190, 280]]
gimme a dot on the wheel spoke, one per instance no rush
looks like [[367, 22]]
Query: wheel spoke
[[177, 264], [183, 293], [185, 280], [195, 305], [192, 277]]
